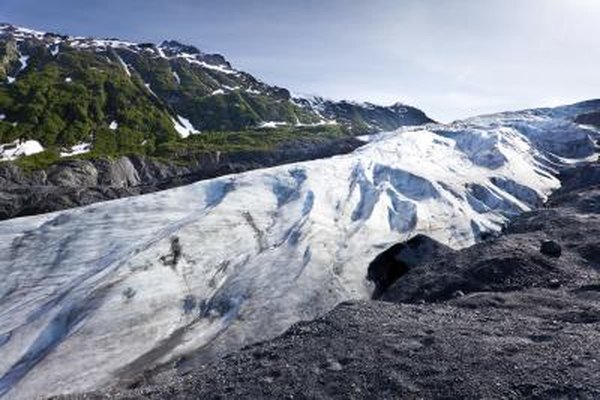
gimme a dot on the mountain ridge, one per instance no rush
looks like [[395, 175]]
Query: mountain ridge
[[119, 96]]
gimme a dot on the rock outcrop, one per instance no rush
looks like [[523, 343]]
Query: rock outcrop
[[74, 183]]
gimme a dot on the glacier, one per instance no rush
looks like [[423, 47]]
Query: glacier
[[104, 291]]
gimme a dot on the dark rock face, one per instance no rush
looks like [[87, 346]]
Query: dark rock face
[[592, 118], [396, 261], [551, 248], [369, 118], [74, 183], [497, 320], [514, 262]]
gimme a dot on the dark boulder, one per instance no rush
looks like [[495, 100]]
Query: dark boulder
[[551, 248], [591, 118], [390, 265]]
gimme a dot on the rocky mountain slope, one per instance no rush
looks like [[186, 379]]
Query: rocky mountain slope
[[364, 117], [118, 95], [78, 182], [115, 288], [517, 316], [163, 113]]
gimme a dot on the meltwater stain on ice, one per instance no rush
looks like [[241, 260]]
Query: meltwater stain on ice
[[402, 215], [217, 190], [309, 203], [4, 338], [519, 191], [287, 189], [369, 194], [410, 185], [492, 200]]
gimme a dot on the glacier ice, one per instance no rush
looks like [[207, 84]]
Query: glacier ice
[[85, 297]]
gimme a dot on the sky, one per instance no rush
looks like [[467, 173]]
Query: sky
[[451, 58]]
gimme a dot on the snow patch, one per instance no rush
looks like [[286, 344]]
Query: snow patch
[[184, 127], [113, 126], [160, 52], [177, 78], [11, 80], [24, 62], [80, 148], [272, 124], [18, 148], [315, 124], [125, 67], [20, 33], [193, 59], [105, 43], [150, 89], [55, 50]]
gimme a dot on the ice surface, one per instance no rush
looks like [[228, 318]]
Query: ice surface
[[92, 292]]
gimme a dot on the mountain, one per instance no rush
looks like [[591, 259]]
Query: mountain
[[364, 117], [104, 292], [76, 95]]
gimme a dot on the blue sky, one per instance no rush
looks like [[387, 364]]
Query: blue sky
[[452, 58]]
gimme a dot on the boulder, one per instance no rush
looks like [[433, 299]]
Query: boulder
[[390, 265], [551, 248]]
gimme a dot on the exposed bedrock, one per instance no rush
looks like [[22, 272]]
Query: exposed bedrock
[[591, 118], [396, 261], [74, 183]]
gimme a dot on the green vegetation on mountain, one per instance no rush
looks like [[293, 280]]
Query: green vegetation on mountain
[[251, 140], [124, 98], [61, 101], [73, 98]]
